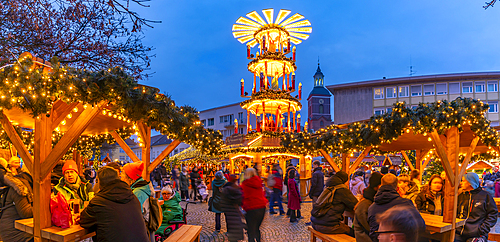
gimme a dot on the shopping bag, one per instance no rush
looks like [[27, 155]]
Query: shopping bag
[[60, 211]]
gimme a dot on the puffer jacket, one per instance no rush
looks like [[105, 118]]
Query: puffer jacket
[[482, 216], [386, 198], [172, 211], [357, 186], [342, 200], [254, 196], [317, 182], [142, 190], [360, 224], [425, 203], [231, 200], [115, 215], [22, 207]]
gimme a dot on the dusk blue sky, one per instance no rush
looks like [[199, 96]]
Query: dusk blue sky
[[199, 63]]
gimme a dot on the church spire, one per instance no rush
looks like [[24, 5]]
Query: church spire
[[318, 77]]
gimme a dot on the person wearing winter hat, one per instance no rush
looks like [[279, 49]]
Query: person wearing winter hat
[[132, 175], [72, 186], [360, 224], [114, 213], [477, 207], [331, 222], [215, 207]]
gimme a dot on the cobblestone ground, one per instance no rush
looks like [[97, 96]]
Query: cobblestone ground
[[273, 228]]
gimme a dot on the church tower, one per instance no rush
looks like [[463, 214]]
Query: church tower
[[318, 103]]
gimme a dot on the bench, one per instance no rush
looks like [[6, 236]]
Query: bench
[[186, 233], [330, 237], [494, 237]]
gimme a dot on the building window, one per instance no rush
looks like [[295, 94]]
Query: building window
[[211, 122], [455, 88], [227, 119], [378, 93], [441, 89], [428, 89], [122, 158], [493, 107], [204, 122], [378, 111], [416, 90], [321, 109], [122, 151], [389, 110], [466, 87], [480, 87], [241, 131], [321, 124], [391, 92], [492, 86], [240, 117], [403, 91]]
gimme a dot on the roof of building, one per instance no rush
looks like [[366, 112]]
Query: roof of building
[[416, 79], [225, 106], [318, 73], [319, 90], [160, 140]]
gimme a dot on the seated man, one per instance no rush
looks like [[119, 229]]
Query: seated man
[[115, 213], [398, 224], [327, 213], [478, 207], [170, 208], [72, 186]]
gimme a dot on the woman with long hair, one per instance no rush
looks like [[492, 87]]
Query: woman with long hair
[[254, 203], [293, 197], [430, 199]]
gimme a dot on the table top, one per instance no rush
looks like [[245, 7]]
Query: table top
[[185, 233], [434, 223], [497, 201], [73, 233]]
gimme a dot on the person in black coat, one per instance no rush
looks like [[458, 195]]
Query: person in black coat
[[195, 178], [230, 205], [477, 207], [115, 212], [386, 198], [317, 182], [18, 205], [332, 221]]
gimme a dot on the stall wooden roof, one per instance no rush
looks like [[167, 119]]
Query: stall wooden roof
[[479, 165]]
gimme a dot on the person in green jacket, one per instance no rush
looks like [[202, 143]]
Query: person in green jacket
[[170, 207]]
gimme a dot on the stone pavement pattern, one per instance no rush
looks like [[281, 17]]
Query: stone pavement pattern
[[273, 228]]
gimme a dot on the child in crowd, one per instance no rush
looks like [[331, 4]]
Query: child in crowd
[[202, 189]]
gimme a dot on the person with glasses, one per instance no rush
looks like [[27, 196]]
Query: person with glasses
[[170, 207], [398, 224]]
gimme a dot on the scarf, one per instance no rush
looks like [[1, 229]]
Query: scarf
[[73, 187], [437, 204]]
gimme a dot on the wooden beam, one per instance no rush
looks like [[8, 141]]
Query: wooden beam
[[405, 156], [441, 152], [345, 162], [125, 147], [164, 154], [71, 136], [17, 142], [330, 160], [359, 159], [144, 130], [468, 156], [57, 118], [146, 151]]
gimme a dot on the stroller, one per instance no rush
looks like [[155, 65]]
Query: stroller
[[202, 190]]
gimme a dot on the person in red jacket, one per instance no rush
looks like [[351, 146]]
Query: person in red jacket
[[277, 192], [293, 197], [254, 203]]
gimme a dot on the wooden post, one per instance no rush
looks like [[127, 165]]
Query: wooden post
[[302, 172], [451, 192], [329, 160], [41, 185], [345, 162], [78, 159], [146, 149], [359, 159]]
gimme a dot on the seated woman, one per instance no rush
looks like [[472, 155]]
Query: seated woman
[[407, 188], [170, 208], [430, 199]]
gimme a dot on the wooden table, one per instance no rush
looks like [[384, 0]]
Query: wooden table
[[497, 201], [186, 233], [73, 233], [437, 229], [329, 237]]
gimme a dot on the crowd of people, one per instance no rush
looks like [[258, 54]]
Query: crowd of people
[[386, 205]]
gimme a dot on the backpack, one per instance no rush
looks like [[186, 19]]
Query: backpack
[[3, 199], [325, 201], [152, 214]]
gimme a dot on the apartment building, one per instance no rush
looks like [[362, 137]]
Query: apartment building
[[223, 119]]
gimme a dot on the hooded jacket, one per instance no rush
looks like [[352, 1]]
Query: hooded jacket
[[481, 217], [253, 194], [172, 211], [386, 198], [217, 194], [115, 215], [342, 200], [142, 190], [317, 182], [22, 207], [231, 200], [360, 224], [184, 182]]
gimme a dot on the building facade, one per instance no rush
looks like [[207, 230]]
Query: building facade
[[318, 104], [360, 100], [223, 119]]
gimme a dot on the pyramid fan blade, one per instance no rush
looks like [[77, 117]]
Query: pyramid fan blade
[[252, 43], [295, 40], [295, 17], [299, 35], [299, 24], [237, 27], [282, 15], [246, 21], [242, 33], [245, 39], [268, 14], [256, 17], [303, 30]]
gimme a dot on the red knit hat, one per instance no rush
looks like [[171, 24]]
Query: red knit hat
[[134, 170], [70, 165]]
